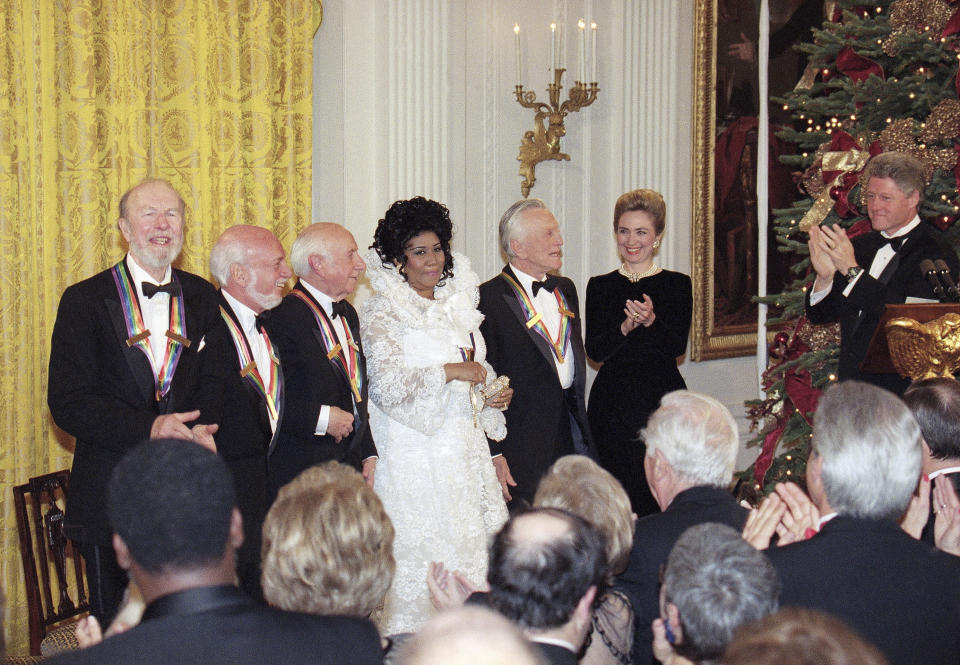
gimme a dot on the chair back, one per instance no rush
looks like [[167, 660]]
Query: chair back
[[52, 567]]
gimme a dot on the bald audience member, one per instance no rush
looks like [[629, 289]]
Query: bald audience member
[[545, 568], [900, 594], [469, 635], [318, 335], [246, 392], [692, 445]]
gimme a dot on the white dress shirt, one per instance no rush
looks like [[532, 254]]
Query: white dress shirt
[[258, 347], [339, 329], [155, 311]]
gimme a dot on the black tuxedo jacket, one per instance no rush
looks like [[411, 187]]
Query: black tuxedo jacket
[[859, 313], [555, 654], [539, 403], [899, 594], [310, 381], [654, 537], [102, 391], [221, 626], [244, 435]]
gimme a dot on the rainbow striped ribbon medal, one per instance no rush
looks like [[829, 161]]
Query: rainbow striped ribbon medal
[[270, 391], [335, 353], [139, 336], [535, 320]]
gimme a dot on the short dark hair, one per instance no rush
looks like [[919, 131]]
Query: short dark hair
[[406, 219], [537, 583], [935, 404], [171, 503], [718, 581]]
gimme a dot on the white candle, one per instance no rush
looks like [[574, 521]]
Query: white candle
[[516, 34], [553, 45], [581, 62], [593, 54]]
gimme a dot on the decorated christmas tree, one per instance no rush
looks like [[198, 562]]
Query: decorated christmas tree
[[881, 77]]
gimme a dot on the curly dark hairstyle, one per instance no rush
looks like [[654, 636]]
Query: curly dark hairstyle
[[406, 219]]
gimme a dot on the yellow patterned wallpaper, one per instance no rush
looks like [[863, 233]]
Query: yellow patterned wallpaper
[[214, 95]]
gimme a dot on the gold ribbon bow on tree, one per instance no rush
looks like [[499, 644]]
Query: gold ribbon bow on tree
[[845, 162]]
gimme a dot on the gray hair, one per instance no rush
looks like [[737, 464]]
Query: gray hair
[[312, 240], [718, 582], [869, 443], [906, 171], [696, 434], [509, 228], [228, 249]]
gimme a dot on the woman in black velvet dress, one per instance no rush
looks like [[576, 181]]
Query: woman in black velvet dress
[[638, 319]]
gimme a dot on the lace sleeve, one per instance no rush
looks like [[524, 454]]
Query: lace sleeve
[[413, 396]]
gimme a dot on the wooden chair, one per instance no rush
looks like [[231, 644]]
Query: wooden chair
[[56, 591]]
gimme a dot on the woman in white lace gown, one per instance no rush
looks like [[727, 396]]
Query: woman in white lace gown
[[424, 350]]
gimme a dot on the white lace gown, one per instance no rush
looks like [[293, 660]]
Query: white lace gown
[[434, 476]]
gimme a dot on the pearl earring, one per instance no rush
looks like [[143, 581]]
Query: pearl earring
[[656, 244]]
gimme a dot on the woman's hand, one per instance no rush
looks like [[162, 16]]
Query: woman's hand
[[639, 313], [469, 371], [501, 400]]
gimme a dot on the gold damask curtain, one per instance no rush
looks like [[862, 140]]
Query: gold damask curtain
[[214, 95]]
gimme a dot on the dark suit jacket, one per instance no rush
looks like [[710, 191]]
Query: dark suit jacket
[[221, 626], [871, 295], [244, 433], [539, 403], [310, 381], [900, 594], [554, 654], [102, 391], [653, 539]]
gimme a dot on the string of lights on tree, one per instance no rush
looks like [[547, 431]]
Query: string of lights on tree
[[881, 77]]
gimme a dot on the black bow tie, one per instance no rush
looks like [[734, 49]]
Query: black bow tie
[[549, 284], [340, 309], [262, 318], [896, 243], [150, 290]]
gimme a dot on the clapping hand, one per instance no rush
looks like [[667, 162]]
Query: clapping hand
[[946, 524], [638, 313], [788, 512]]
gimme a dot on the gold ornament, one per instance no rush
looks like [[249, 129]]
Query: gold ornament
[[820, 337], [898, 136], [844, 162], [915, 16], [943, 122], [925, 350]]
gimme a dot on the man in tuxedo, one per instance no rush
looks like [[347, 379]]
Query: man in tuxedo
[[857, 279], [533, 334], [935, 403], [176, 529], [692, 444], [244, 392], [125, 366], [545, 567], [317, 333], [901, 594]]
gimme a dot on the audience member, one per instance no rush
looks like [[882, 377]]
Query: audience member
[[125, 366], [245, 392], [327, 544], [176, 529], [935, 403], [899, 593], [797, 636], [579, 485], [469, 636], [691, 449], [714, 582], [545, 568]]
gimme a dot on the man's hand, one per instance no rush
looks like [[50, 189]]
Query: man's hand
[[203, 434], [820, 259], [340, 424], [449, 590], [171, 425], [368, 469], [801, 517], [838, 247], [503, 476], [762, 521]]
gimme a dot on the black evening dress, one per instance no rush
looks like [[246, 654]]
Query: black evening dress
[[638, 369]]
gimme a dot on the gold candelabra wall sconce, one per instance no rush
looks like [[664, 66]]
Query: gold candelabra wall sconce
[[543, 143]]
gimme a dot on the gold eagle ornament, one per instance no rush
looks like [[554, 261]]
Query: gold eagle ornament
[[925, 350]]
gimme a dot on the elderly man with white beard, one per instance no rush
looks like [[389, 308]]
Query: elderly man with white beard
[[244, 395], [125, 367]]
